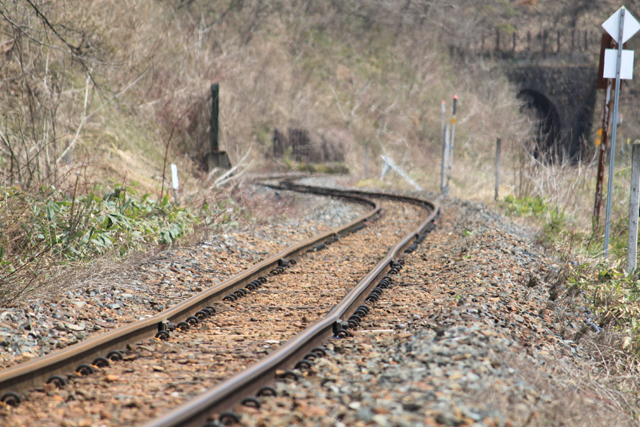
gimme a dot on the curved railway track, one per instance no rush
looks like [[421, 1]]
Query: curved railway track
[[196, 348]]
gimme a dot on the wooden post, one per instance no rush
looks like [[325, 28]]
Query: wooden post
[[586, 40], [215, 92], [498, 148], [604, 135], [573, 40], [529, 41], [632, 247], [621, 138], [497, 40], [515, 37], [558, 42]]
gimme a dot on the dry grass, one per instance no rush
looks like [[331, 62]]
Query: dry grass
[[368, 71], [568, 395]]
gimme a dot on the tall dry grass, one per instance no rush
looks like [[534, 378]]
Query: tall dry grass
[[121, 81]]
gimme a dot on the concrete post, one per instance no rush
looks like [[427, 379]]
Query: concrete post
[[632, 247], [452, 138]]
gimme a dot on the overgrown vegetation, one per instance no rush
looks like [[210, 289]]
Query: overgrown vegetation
[[46, 228], [614, 296], [610, 296]]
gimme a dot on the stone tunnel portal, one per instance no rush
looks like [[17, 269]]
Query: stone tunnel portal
[[560, 99], [546, 122]]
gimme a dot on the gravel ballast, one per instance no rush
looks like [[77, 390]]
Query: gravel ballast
[[466, 336], [38, 326]]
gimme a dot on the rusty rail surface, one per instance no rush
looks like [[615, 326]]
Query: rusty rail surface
[[35, 373], [222, 397]]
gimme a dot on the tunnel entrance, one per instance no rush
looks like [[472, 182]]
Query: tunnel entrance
[[546, 144]]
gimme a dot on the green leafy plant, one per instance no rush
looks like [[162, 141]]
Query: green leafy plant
[[47, 227], [613, 298]]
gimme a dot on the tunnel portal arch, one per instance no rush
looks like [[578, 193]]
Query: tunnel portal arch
[[546, 122], [563, 98]]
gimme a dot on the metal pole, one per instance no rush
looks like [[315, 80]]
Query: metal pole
[[443, 172], [612, 152], [215, 91], [498, 147], [632, 246]]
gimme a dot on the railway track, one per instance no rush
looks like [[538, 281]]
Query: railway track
[[221, 346]]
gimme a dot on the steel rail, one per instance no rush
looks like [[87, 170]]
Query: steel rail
[[223, 396], [33, 374]]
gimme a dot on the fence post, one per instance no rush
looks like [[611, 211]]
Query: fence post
[[632, 247], [215, 93], [586, 40], [443, 172], [498, 149], [452, 137]]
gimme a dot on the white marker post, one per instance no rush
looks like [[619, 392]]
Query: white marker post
[[443, 174], [618, 64], [176, 184]]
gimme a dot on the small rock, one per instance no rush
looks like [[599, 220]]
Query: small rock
[[79, 327]]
